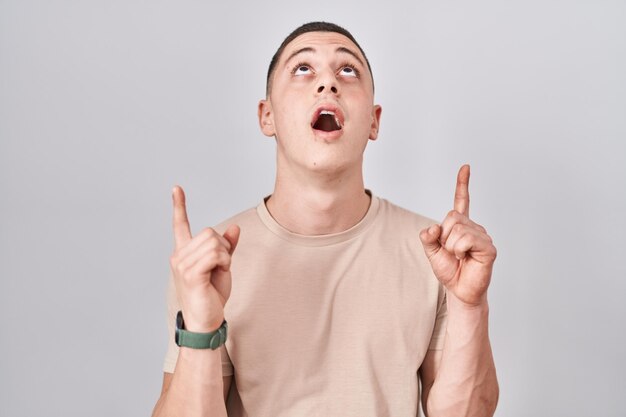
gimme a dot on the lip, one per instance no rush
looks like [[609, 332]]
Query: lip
[[329, 107], [328, 136]]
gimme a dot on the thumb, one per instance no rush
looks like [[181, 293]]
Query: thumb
[[430, 240], [232, 235]]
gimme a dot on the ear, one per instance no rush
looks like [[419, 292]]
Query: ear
[[266, 118], [376, 111]]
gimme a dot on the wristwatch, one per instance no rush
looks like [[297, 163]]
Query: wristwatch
[[211, 340]]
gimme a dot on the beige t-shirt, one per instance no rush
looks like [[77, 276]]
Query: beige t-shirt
[[332, 325]]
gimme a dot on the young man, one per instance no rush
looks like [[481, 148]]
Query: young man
[[338, 302]]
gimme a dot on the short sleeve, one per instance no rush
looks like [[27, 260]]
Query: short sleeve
[[227, 365], [441, 321], [173, 306]]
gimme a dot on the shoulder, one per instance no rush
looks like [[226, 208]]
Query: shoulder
[[243, 219], [395, 216]]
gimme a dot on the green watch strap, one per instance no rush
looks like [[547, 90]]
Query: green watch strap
[[211, 340]]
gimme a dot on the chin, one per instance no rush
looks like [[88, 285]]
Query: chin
[[331, 166]]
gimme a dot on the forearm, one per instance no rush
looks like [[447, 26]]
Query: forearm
[[196, 388], [466, 383]]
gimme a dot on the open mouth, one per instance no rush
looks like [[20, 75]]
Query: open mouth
[[327, 120]]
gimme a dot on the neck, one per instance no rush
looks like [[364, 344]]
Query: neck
[[318, 203]]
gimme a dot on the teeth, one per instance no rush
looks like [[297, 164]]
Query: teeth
[[332, 113]]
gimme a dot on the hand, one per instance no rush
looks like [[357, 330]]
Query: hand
[[460, 251], [201, 268]]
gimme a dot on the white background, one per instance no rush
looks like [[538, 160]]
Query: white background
[[105, 105]]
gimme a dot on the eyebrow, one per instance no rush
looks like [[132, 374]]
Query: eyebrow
[[341, 49]]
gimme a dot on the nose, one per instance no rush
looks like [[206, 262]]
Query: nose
[[327, 82], [322, 87]]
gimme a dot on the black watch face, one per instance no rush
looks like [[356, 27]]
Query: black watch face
[[179, 325]]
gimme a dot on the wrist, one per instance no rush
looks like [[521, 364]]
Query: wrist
[[466, 322], [199, 340], [202, 326], [456, 305]]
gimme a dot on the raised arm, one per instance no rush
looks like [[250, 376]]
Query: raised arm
[[461, 379], [201, 269]]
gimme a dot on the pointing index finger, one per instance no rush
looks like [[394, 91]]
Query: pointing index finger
[[182, 232], [461, 195]]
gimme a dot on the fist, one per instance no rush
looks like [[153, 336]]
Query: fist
[[201, 269]]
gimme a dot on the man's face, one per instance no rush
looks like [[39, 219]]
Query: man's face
[[320, 107]]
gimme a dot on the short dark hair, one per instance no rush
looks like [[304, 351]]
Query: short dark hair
[[310, 27]]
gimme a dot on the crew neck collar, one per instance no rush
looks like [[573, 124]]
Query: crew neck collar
[[318, 240]]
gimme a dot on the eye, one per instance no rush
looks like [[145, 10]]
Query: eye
[[349, 71], [301, 69]]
